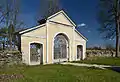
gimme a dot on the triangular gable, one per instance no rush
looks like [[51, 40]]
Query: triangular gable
[[61, 17], [31, 29], [81, 35]]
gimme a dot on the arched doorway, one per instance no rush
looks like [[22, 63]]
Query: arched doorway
[[36, 53], [79, 52], [61, 43]]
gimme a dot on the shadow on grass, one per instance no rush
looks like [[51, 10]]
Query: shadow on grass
[[114, 68]]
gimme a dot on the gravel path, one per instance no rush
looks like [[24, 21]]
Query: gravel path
[[91, 65]]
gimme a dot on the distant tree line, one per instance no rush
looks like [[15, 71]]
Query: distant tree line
[[106, 47]]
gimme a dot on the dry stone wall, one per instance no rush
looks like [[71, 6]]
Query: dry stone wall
[[10, 58], [100, 53]]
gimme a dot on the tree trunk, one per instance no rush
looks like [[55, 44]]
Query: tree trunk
[[10, 44], [117, 29], [117, 40], [3, 46]]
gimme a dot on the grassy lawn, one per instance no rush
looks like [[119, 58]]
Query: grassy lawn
[[60, 73], [101, 60]]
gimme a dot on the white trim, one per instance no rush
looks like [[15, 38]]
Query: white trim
[[64, 14], [52, 22], [79, 40], [81, 35], [82, 51], [32, 28], [73, 45], [34, 36], [59, 60], [61, 23], [36, 63], [47, 57], [68, 53]]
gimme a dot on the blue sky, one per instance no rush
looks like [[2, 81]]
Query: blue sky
[[83, 12]]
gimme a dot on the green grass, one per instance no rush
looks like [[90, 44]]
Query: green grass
[[102, 60], [61, 73]]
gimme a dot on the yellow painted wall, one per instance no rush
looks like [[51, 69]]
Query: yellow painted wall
[[61, 19], [79, 41], [53, 30], [29, 37], [74, 40], [46, 35]]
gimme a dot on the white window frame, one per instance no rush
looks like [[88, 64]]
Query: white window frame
[[35, 63]]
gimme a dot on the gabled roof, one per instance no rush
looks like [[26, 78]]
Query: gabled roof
[[30, 29], [66, 16], [43, 23], [81, 35]]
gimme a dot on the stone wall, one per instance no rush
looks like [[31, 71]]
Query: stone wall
[[10, 57], [100, 53]]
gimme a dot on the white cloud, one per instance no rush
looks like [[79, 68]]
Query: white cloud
[[110, 39], [81, 25], [89, 31]]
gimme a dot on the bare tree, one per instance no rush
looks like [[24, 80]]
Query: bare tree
[[9, 18], [109, 18]]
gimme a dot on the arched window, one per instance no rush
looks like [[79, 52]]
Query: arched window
[[36, 52], [60, 46]]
